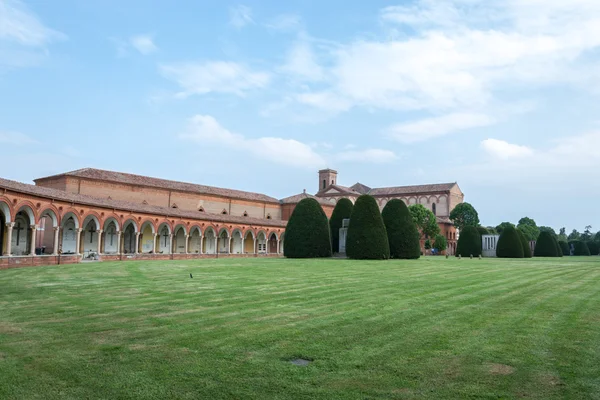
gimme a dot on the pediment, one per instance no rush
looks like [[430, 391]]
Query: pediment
[[332, 191]]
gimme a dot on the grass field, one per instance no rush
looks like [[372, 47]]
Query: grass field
[[431, 328]]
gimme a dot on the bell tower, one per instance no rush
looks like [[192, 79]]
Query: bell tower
[[327, 177]]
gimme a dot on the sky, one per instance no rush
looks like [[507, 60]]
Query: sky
[[499, 96]]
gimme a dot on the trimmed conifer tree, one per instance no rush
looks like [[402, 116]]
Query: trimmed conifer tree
[[564, 246], [509, 244], [367, 237], [469, 242], [342, 211], [580, 248], [307, 231], [525, 244], [545, 246], [559, 252], [402, 233]]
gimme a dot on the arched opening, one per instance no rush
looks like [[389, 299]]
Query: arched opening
[[147, 237], [249, 243], [237, 246], [180, 238], [21, 235], [281, 244], [90, 236], [69, 228], [324, 184], [129, 231], [261, 244], [195, 240], [434, 208], [111, 245], [164, 239], [273, 245], [223, 241], [210, 239], [46, 232], [224, 212], [4, 218]]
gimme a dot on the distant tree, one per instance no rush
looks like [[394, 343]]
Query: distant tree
[[545, 245], [559, 252], [525, 244], [425, 220], [548, 229], [469, 242], [367, 237], [509, 244], [342, 210], [440, 243], [574, 235], [562, 235], [492, 230], [500, 228], [597, 237], [580, 248], [403, 235], [564, 246], [594, 247], [529, 228], [463, 215], [587, 234], [483, 230], [307, 231]]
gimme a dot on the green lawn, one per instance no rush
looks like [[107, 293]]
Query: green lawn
[[431, 328]]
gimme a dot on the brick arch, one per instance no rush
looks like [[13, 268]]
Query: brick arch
[[271, 233], [194, 227], [136, 228], [251, 231], [210, 227], [167, 224], [54, 214], [6, 209], [235, 229], [24, 205], [99, 219], [180, 225], [148, 221], [226, 230], [70, 211], [112, 217]]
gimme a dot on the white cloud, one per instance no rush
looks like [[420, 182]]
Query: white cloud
[[504, 150], [18, 24], [416, 131], [16, 138], [240, 16], [285, 23], [328, 101], [376, 156], [144, 44], [301, 62], [214, 76]]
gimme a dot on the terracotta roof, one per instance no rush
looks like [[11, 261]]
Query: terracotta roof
[[131, 179], [360, 188], [298, 197], [339, 188], [133, 207], [440, 187]]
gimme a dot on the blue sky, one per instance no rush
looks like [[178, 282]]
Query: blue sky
[[500, 96]]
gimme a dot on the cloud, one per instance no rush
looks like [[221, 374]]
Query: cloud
[[327, 101], [19, 25], [285, 23], [301, 62], [376, 156], [143, 43], [240, 16], [16, 138], [504, 150], [416, 131], [214, 76]]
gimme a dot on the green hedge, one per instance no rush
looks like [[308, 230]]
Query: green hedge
[[342, 211], [594, 248], [581, 248], [307, 232], [509, 244], [469, 242], [525, 244], [545, 246], [403, 235], [564, 246], [559, 251], [367, 236]]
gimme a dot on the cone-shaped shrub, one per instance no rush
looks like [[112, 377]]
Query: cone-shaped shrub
[[307, 232], [525, 244], [342, 211], [545, 247], [559, 252], [594, 248], [367, 236], [402, 233], [469, 242], [581, 248], [564, 246], [509, 244]]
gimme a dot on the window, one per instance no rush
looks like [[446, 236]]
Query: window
[[332, 182], [433, 208], [201, 209], [174, 206], [224, 212], [324, 183], [245, 213], [268, 216]]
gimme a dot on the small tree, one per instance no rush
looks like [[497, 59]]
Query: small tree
[[509, 244], [525, 244], [594, 248], [342, 211], [403, 236], [500, 228], [580, 248], [440, 243], [545, 246], [587, 234], [469, 242], [483, 230], [425, 220], [367, 236], [562, 235], [529, 228], [574, 235], [307, 231], [559, 252], [463, 215]]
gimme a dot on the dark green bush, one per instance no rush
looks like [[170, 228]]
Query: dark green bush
[[402, 233], [342, 211], [581, 248], [559, 252], [509, 244], [367, 236], [564, 246], [483, 230], [440, 243], [469, 242], [307, 232], [594, 248], [545, 246], [525, 244]]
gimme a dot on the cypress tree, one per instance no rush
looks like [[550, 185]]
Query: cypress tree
[[509, 244], [559, 252], [469, 242], [581, 248], [367, 236], [566, 251], [525, 244], [402, 233], [545, 246], [307, 232], [342, 211]]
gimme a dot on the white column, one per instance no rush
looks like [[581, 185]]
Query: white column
[[229, 245], [137, 243], [119, 242], [187, 238], [267, 246], [56, 233], [77, 241], [99, 242], [278, 250], [254, 240], [154, 243], [201, 240], [9, 229], [171, 243], [32, 250]]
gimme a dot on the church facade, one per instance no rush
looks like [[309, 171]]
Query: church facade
[[92, 214]]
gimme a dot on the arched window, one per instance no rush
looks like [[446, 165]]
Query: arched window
[[224, 212], [433, 208], [245, 213], [201, 209], [324, 183]]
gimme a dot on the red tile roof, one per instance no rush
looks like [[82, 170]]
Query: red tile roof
[[298, 197], [396, 190]]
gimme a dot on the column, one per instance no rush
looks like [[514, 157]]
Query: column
[[267, 243], [56, 234], [171, 243], [32, 250], [187, 239], [137, 243], [9, 229], [119, 242], [229, 245], [154, 243], [99, 242], [278, 250], [254, 240], [78, 241], [201, 240]]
